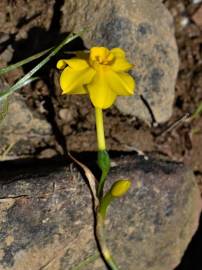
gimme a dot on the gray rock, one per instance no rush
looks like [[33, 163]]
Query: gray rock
[[144, 28], [23, 130], [46, 215]]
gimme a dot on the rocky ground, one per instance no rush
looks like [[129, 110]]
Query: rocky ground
[[42, 124], [183, 143], [47, 220], [71, 117]]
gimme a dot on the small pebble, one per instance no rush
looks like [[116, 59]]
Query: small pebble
[[47, 153], [3, 37], [184, 21], [65, 114], [196, 1]]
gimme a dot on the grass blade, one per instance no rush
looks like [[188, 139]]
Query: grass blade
[[8, 91], [23, 62], [4, 110], [198, 111]]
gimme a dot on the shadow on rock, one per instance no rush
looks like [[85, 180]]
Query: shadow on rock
[[192, 258]]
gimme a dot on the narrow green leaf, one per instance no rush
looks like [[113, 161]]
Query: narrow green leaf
[[198, 111], [86, 261], [4, 109], [8, 91], [23, 62]]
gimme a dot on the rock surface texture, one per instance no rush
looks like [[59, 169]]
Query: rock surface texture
[[46, 216], [23, 130], [144, 28]]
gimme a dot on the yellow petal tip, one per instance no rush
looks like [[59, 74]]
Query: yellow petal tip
[[61, 64]]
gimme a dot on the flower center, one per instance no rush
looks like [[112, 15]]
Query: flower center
[[101, 56]]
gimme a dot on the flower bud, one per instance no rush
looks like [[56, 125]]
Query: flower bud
[[120, 187]]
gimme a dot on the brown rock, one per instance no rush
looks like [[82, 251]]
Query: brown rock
[[197, 17], [193, 157], [46, 215], [23, 130], [47, 153], [33, 13], [66, 115]]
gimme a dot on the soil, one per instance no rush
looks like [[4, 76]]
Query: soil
[[72, 117], [183, 143]]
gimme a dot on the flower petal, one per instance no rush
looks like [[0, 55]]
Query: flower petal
[[99, 54], [121, 83], [61, 64], [77, 64], [100, 93], [118, 52], [121, 64], [71, 80], [77, 91]]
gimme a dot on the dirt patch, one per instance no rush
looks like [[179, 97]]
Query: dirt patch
[[183, 143]]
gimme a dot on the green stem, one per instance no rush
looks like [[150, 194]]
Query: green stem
[[104, 203], [100, 234], [100, 129], [103, 157], [101, 184]]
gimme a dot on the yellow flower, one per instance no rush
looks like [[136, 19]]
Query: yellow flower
[[101, 73]]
